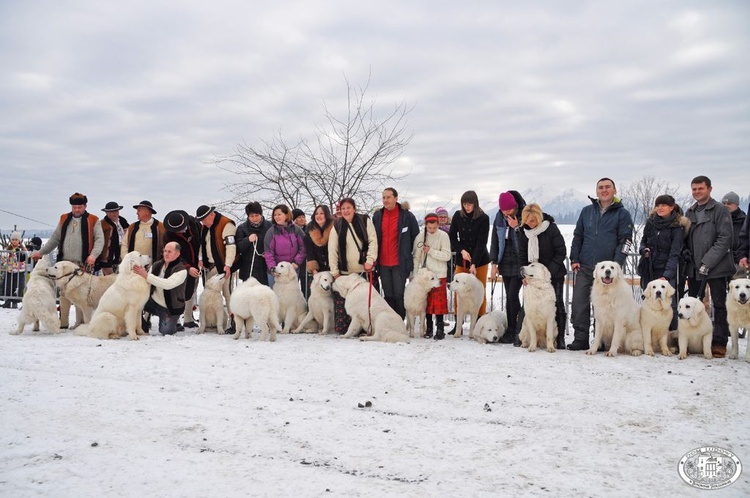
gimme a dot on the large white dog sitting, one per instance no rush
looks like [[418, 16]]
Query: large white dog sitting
[[211, 305], [121, 306], [656, 316], [253, 302], [615, 312], [415, 300], [320, 305], [82, 289], [292, 306], [538, 328], [377, 318], [694, 328], [39, 301], [738, 314], [469, 297]]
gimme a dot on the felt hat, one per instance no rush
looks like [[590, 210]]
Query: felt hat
[[146, 204], [203, 211], [176, 221], [111, 206]]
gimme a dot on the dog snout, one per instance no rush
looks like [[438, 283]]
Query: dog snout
[[658, 294]]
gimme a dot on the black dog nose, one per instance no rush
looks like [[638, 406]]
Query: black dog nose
[[658, 293]]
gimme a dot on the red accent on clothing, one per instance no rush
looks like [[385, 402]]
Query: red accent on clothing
[[389, 242], [437, 299]]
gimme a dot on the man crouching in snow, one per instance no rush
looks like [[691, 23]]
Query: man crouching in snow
[[167, 278]]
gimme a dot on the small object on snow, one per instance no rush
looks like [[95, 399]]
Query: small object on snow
[[57, 457], [697, 394], [669, 371], [360, 405], [291, 399], [487, 407], [368, 404], [98, 345], [94, 444], [386, 430]]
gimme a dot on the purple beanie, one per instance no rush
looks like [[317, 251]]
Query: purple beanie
[[441, 210], [507, 201]]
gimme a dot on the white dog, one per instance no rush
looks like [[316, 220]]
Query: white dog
[[254, 302], [211, 305], [121, 306], [82, 289], [39, 301], [656, 316], [415, 300], [694, 328], [538, 328], [615, 311], [378, 319], [491, 327], [469, 296], [320, 304], [292, 306], [738, 313]]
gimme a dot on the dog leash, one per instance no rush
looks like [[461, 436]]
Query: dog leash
[[492, 294], [369, 303]]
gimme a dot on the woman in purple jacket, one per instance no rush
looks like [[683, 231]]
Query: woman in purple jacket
[[284, 241]]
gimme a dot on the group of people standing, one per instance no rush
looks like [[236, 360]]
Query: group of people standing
[[702, 247]]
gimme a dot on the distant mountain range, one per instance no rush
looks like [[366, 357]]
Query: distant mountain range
[[563, 204]]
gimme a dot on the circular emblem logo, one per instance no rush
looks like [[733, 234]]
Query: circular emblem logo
[[709, 467]]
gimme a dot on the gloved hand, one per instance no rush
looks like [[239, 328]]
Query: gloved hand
[[703, 270]]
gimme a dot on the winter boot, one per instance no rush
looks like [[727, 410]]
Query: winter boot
[[561, 320], [440, 333], [428, 328], [453, 330], [519, 324], [6, 304], [231, 329]]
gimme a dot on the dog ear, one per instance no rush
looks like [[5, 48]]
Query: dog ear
[[670, 290]]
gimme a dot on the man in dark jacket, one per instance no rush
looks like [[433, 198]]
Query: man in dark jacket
[[167, 279], [711, 263], [113, 228], [250, 235], [732, 202], [185, 230], [602, 230], [396, 229]]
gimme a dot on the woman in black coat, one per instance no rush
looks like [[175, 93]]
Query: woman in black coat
[[542, 242], [250, 235]]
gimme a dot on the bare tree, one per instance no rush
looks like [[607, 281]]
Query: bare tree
[[350, 156], [638, 197]]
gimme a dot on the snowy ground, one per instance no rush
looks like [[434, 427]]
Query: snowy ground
[[198, 416]]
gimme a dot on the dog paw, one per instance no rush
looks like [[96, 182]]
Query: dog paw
[[732, 356], [610, 353], [591, 351], [638, 352], [683, 356], [666, 352], [551, 350], [650, 352]]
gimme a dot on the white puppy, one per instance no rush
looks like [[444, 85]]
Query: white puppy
[[491, 327], [121, 306], [738, 313], [82, 289], [415, 300], [369, 311], [615, 312], [469, 296], [254, 302], [320, 305], [38, 303], [292, 306], [211, 306], [694, 328], [656, 315], [538, 328]]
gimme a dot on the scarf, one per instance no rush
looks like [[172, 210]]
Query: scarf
[[533, 236]]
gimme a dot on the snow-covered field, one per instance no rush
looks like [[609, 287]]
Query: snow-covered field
[[197, 416]]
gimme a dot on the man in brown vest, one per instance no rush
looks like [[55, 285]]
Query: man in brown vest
[[113, 227], [218, 250], [79, 239], [146, 235]]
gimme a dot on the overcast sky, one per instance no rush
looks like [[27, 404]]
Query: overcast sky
[[128, 100]]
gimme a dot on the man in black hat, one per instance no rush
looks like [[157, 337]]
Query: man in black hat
[[167, 278], [185, 230], [113, 227], [78, 238], [146, 236], [218, 249]]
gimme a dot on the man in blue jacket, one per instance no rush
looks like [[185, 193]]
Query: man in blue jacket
[[396, 229], [603, 228]]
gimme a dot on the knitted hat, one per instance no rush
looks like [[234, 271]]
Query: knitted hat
[[296, 213], [441, 211], [253, 208], [507, 201], [203, 211], [78, 199], [15, 236], [111, 206], [146, 204], [730, 198], [36, 242], [431, 218], [176, 221]]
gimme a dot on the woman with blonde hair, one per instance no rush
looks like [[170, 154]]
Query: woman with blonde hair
[[470, 229], [542, 242], [14, 268]]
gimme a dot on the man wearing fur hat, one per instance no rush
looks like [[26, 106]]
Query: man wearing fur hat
[[146, 235], [78, 238], [184, 229], [218, 248], [113, 227]]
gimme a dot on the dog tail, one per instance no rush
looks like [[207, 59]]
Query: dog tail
[[102, 325]]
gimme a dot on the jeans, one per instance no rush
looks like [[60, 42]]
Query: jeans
[[580, 310], [167, 322]]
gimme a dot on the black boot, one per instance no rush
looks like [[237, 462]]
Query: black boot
[[561, 320], [578, 345], [509, 337], [231, 329], [453, 330], [440, 333], [6, 304], [428, 328]]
